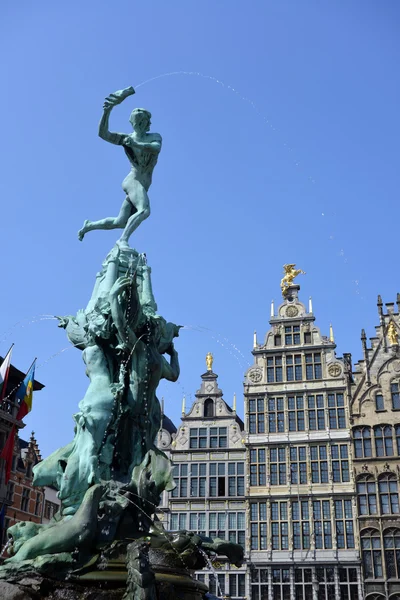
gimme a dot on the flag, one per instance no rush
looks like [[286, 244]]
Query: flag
[[25, 393], [7, 453], [4, 371]]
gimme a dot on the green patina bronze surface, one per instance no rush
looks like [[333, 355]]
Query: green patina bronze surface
[[111, 475]]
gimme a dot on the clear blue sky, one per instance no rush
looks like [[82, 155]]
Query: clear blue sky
[[310, 176]]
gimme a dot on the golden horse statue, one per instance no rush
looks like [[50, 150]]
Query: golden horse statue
[[290, 274]]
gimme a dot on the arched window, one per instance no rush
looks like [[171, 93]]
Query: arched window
[[362, 442], [371, 554], [394, 389], [383, 440], [379, 403], [366, 491], [209, 408], [388, 494], [391, 541]]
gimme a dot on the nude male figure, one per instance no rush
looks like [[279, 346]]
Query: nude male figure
[[142, 149]]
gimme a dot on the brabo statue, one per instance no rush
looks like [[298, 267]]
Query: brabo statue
[[142, 150], [111, 475]]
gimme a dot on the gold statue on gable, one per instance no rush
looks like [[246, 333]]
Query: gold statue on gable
[[209, 361], [393, 334], [290, 273]]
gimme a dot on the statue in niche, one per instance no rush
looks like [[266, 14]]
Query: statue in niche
[[393, 334]]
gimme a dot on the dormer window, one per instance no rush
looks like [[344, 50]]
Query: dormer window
[[209, 408]]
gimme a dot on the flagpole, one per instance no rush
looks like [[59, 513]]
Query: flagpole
[[11, 347], [3, 390]]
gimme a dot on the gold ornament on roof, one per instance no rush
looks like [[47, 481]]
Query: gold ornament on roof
[[289, 276], [209, 361], [393, 334]]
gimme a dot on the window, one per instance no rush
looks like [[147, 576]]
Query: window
[[197, 522], [296, 413], [298, 464], [213, 437], [362, 442], [348, 583], [371, 554], [29, 470], [281, 584], [236, 479], [294, 369], [340, 463], [274, 369], [237, 585], [313, 366], [178, 521], [379, 403], [218, 437], [276, 415], [278, 340], [37, 503], [217, 585], [326, 583], [217, 479], [279, 526], [301, 525], [383, 440], [198, 437], [257, 415], [337, 417], [292, 335], [316, 412], [180, 473], [388, 495], [50, 509], [277, 459], [344, 524], [237, 527], [391, 542], [25, 499], [217, 524], [198, 478], [258, 467], [319, 464], [366, 491], [322, 524], [397, 427], [394, 390], [5, 536], [200, 577], [209, 408], [303, 584], [258, 525], [307, 337], [259, 584], [10, 492]]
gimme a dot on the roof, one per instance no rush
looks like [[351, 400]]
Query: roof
[[19, 375], [168, 425]]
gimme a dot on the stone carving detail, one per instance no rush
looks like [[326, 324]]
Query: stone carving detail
[[334, 370], [292, 311], [255, 375]]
